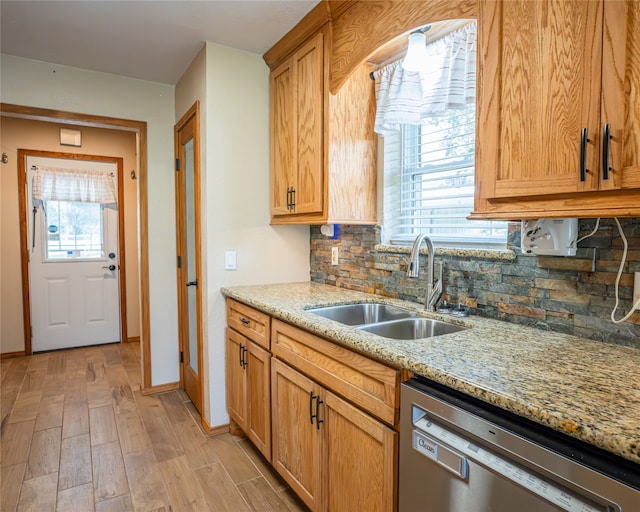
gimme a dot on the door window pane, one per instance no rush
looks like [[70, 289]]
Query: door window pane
[[74, 230]]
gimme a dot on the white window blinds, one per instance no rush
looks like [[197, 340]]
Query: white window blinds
[[52, 183]]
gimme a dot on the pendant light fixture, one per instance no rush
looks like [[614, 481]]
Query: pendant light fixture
[[416, 56]]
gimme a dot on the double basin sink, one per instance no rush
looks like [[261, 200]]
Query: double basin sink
[[386, 321]]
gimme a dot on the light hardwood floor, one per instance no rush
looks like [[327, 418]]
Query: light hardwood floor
[[77, 435]]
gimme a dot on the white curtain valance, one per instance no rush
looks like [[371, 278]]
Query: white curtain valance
[[51, 183], [448, 81]]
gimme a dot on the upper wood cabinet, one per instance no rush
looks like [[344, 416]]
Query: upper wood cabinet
[[551, 76], [323, 167], [297, 173]]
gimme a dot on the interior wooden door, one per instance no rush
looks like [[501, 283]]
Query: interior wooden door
[[295, 438], [188, 231]]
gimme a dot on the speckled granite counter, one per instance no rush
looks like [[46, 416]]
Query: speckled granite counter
[[586, 389]]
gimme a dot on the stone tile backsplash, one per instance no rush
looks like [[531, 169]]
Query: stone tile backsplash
[[563, 294]]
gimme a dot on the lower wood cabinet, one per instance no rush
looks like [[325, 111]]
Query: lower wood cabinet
[[249, 389], [333, 455], [321, 413]]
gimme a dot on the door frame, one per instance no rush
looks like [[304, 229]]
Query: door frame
[[192, 115], [23, 154], [140, 129]]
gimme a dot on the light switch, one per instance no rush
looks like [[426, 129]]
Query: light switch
[[230, 260]]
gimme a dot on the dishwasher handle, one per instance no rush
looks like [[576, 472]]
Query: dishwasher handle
[[441, 454]]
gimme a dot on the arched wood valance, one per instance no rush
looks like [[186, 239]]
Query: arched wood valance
[[366, 26]]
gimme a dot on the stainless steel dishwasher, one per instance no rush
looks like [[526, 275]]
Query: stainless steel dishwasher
[[458, 454]]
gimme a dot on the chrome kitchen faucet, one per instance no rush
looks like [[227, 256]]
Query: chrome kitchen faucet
[[433, 291]]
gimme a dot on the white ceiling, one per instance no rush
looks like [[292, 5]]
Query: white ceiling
[[152, 40]]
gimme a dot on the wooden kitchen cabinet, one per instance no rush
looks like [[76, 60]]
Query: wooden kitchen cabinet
[[296, 440], [236, 381], [323, 167], [249, 322], [548, 71], [335, 457], [372, 386], [360, 456], [248, 379], [296, 132]]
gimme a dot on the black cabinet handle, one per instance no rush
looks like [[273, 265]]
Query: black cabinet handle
[[312, 397], [192, 283], [289, 198], [244, 320], [293, 198], [583, 155], [318, 420], [242, 350], [606, 137]]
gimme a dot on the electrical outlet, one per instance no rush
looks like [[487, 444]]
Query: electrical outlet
[[636, 287], [335, 255]]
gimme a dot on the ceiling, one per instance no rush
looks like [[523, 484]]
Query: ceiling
[[152, 40]]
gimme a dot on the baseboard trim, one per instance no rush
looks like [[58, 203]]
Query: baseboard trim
[[161, 388], [217, 430], [133, 339], [9, 355]]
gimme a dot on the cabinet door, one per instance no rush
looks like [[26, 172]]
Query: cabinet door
[[309, 106], [539, 74], [295, 439], [258, 397], [360, 456], [236, 379], [621, 92], [284, 144]]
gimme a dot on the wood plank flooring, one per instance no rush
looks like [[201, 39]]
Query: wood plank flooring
[[77, 435]]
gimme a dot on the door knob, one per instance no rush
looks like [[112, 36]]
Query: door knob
[[110, 267]]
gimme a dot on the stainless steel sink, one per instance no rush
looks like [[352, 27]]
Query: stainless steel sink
[[412, 328], [362, 313]]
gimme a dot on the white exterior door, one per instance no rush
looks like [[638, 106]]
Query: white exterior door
[[73, 266]]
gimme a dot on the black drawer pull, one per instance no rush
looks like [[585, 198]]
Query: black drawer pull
[[245, 321]]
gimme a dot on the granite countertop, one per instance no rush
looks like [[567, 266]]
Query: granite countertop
[[586, 389]]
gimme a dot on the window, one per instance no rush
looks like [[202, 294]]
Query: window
[[74, 230], [429, 183], [427, 119]]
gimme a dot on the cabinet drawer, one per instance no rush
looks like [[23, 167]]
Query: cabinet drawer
[[249, 322], [371, 385]]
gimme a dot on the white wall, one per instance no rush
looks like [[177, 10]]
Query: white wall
[[40, 84], [237, 198]]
